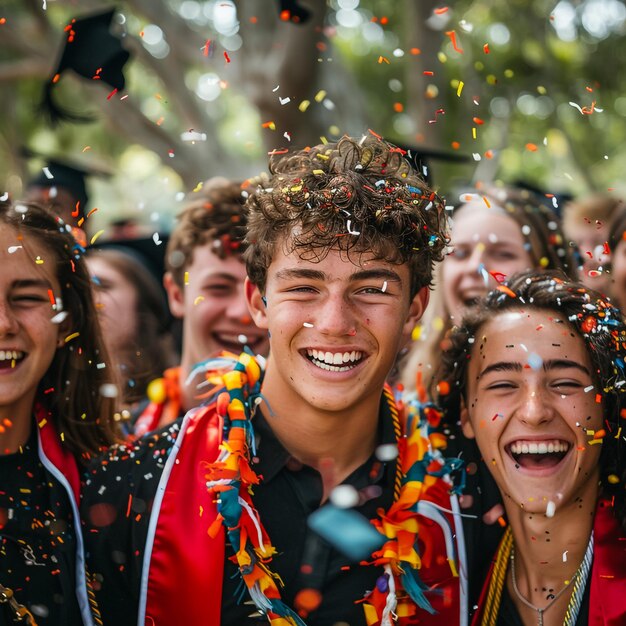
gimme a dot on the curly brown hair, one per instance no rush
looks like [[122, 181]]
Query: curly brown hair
[[356, 196], [214, 215], [593, 318]]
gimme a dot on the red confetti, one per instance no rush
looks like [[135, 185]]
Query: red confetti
[[226, 56], [437, 113], [112, 94], [452, 35], [478, 121], [486, 48], [206, 48], [499, 276], [51, 296]]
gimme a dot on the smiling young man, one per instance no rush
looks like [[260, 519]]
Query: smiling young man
[[205, 288], [299, 492]]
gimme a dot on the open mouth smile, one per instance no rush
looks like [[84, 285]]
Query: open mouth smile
[[334, 361], [545, 454], [10, 358]]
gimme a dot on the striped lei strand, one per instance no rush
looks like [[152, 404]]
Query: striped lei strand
[[498, 577], [230, 478]]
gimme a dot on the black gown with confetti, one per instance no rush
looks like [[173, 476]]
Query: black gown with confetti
[[37, 540]]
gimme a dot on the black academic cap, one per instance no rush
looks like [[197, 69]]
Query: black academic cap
[[93, 53], [421, 157], [63, 175], [294, 12]]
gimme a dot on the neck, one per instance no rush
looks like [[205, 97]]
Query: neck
[[334, 442], [15, 426], [549, 550]]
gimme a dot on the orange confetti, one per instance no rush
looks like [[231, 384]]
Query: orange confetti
[[382, 59], [452, 35], [531, 147], [599, 434], [456, 145], [398, 107], [415, 51], [478, 121], [489, 154], [504, 289], [254, 19], [428, 73], [86, 148], [3, 20], [373, 133], [285, 15], [206, 47], [440, 10], [51, 296], [270, 125], [589, 89], [384, 20], [486, 48]]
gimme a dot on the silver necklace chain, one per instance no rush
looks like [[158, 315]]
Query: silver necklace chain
[[582, 572]]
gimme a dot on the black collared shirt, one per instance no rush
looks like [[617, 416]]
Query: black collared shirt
[[288, 494]]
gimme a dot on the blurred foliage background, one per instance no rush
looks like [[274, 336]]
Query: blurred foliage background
[[530, 90]]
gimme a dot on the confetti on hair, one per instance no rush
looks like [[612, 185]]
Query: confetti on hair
[[505, 290], [95, 237]]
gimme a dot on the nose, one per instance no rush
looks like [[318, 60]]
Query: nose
[[237, 309], [335, 317], [8, 321], [534, 409]]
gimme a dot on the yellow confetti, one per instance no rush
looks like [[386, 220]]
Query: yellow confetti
[[43, 422], [304, 105], [474, 132], [198, 187], [186, 278], [320, 95], [318, 172], [198, 300], [460, 88], [39, 260], [70, 337], [93, 239], [382, 59]]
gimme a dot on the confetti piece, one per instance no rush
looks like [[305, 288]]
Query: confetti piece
[[70, 337], [284, 101], [452, 35], [92, 211], [156, 239], [39, 261], [95, 237], [504, 289], [186, 278], [320, 95], [270, 125], [478, 121], [531, 147], [486, 48], [437, 113], [226, 57], [198, 300], [550, 508], [112, 94], [460, 88], [382, 59], [307, 325], [304, 105], [440, 10]]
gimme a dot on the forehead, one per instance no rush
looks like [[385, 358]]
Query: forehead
[[205, 261], [477, 221], [527, 337], [23, 256], [335, 264]]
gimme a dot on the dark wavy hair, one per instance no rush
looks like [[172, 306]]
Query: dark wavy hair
[[356, 196], [593, 318], [82, 415], [214, 215]]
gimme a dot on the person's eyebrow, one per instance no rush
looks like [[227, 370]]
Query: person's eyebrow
[[553, 364], [221, 276], [31, 282], [376, 274], [300, 272], [501, 366]]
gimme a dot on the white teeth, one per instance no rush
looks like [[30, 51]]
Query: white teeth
[[543, 447], [10, 355], [320, 358]]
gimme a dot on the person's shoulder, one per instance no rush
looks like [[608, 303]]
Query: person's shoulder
[[134, 459]]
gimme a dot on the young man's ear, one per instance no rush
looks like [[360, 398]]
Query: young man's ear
[[256, 304], [416, 310], [175, 295], [466, 422]]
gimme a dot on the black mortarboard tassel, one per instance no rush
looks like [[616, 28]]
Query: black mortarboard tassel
[[93, 53]]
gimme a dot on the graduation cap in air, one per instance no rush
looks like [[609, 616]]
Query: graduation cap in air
[[93, 53], [421, 158]]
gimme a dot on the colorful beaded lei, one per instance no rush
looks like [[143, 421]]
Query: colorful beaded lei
[[230, 478]]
